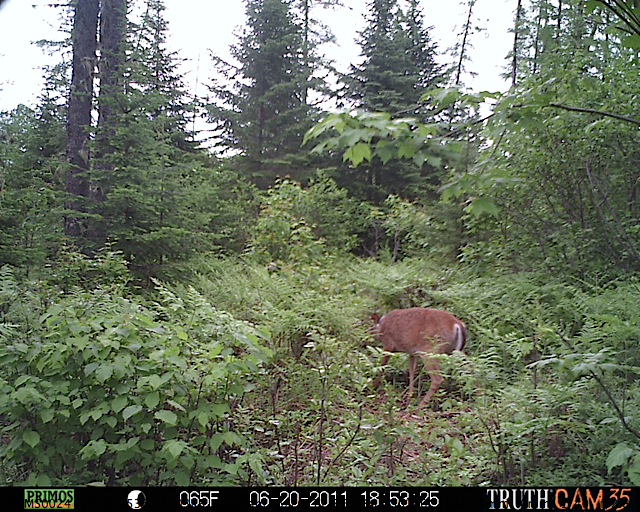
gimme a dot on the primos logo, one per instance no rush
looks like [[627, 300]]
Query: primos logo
[[48, 498]]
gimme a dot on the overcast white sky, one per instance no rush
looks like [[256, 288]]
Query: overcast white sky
[[197, 26]]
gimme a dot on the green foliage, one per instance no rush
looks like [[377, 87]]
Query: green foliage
[[293, 302], [103, 392], [316, 420], [413, 229], [627, 13], [398, 60], [628, 459], [157, 188], [296, 224], [421, 149], [72, 269], [255, 369], [520, 324], [261, 106], [84, 395], [31, 142], [281, 235], [572, 208]]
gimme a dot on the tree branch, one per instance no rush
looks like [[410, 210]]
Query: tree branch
[[598, 112]]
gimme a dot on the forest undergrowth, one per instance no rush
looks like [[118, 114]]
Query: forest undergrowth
[[253, 374]]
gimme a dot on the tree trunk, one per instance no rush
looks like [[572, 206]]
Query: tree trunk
[[516, 33], [112, 32], [463, 48], [78, 189], [113, 19]]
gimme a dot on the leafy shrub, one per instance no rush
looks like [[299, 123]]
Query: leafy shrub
[[298, 224], [106, 393]]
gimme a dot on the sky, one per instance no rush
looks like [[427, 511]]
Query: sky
[[200, 27]]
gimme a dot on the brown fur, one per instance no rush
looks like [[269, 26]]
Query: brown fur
[[419, 332]]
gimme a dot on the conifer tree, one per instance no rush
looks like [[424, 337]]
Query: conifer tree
[[113, 27], [264, 113], [398, 60], [398, 65], [152, 210]]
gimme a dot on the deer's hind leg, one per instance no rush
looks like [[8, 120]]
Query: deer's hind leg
[[433, 369], [412, 372]]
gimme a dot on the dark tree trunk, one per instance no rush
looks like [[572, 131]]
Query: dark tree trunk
[[113, 19], [516, 33], [78, 187], [112, 31], [465, 37]]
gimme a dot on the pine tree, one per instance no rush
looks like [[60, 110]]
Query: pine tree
[[462, 47], [314, 34], [398, 65], [113, 27], [152, 210], [264, 114], [421, 49], [398, 60], [32, 147]]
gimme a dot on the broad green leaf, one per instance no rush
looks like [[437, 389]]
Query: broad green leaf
[[147, 444], [634, 470], [176, 405], [433, 161], [119, 403], [96, 413], [591, 5], [357, 153], [619, 455], [130, 411], [43, 481], [104, 372], [31, 438], [152, 399], [27, 395], [47, 415], [22, 379], [229, 438], [215, 441], [182, 479], [481, 205], [220, 409], [93, 449], [168, 417], [406, 150], [203, 418], [155, 381], [174, 447], [632, 41], [385, 151], [90, 368], [354, 136]]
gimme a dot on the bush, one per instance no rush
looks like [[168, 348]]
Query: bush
[[106, 393]]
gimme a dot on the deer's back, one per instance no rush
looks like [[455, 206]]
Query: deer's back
[[421, 330]]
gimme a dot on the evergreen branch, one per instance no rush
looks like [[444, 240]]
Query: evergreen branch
[[460, 129]]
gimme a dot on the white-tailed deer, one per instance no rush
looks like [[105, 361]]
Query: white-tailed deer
[[419, 332]]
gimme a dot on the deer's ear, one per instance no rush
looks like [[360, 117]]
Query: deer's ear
[[375, 317]]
